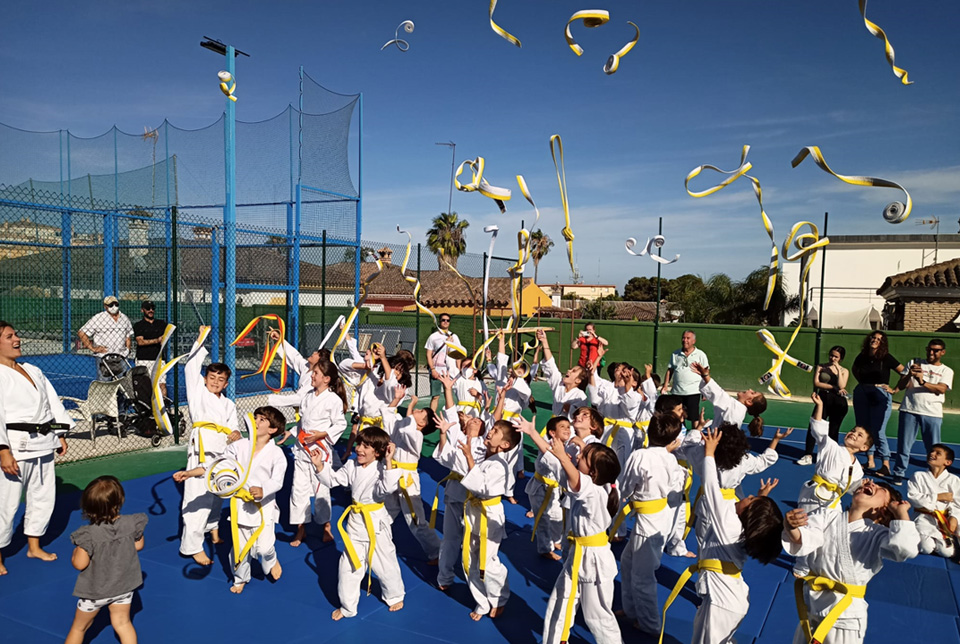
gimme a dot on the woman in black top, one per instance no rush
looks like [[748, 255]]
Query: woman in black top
[[873, 396], [830, 382]]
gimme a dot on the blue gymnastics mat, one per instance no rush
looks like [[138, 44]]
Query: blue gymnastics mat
[[180, 600]]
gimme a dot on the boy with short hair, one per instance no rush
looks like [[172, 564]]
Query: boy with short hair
[[844, 550], [268, 466], [485, 483], [215, 425], [368, 539], [935, 496]]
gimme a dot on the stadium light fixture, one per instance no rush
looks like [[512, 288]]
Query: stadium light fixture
[[218, 47]]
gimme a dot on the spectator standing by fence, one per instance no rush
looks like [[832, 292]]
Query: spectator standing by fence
[[589, 344], [436, 347], [925, 383], [149, 334], [681, 380], [873, 397], [109, 331]]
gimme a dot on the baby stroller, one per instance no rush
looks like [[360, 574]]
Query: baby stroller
[[120, 400]]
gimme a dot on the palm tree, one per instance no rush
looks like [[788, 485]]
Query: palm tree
[[446, 238], [540, 245]]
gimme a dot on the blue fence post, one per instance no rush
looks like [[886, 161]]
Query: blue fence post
[[65, 235], [294, 274], [357, 258], [230, 225]]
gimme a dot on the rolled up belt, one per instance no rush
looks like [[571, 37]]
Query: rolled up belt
[[38, 428]]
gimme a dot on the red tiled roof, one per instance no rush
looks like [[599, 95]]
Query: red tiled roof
[[945, 275]]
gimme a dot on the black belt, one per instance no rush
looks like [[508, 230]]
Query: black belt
[[38, 428]]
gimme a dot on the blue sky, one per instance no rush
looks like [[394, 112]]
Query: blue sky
[[704, 79]]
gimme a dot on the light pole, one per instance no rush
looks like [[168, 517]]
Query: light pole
[[453, 164], [229, 209]]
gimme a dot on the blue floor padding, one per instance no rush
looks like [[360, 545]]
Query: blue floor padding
[[37, 605]]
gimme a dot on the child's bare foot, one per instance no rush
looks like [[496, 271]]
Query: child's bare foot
[[202, 558], [327, 533], [215, 536], [42, 555], [396, 607], [443, 588], [433, 562], [530, 514], [619, 613], [3, 569], [299, 536], [691, 555], [512, 500], [616, 539], [236, 589], [276, 571], [475, 616], [337, 615], [551, 556], [497, 611]]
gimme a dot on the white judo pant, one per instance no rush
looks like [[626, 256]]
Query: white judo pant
[[638, 580], [550, 529], [594, 599], [836, 635], [385, 567], [37, 476], [305, 486], [452, 545], [419, 523], [715, 625], [493, 590], [263, 548], [675, 546], [200, 512]]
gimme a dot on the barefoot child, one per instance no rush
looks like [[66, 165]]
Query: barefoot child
[[935, 496], [367, 540], [106, 556], [727, 534], [844, 550], [483, 517], [322, 423], [268, 466], [652, 485], [214, 425], [587, 577], [544, 493]]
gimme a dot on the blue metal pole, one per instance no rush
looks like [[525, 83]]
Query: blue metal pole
[[170, 229], [294, 321], [230, 225], [357, 258], [65, 259]]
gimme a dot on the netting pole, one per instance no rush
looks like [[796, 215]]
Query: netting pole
[[416, 347], [294, 299], [174, 310], [65, 261], [656, 321], [323, 284], [357, 258], [823, 274], [214, 296], [230, 225], [170, 226]]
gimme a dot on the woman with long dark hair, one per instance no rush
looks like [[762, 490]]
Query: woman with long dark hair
[[830, 383], [873, 397]]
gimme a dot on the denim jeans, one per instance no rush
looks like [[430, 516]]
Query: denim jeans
[[871, 406], [929, 427]]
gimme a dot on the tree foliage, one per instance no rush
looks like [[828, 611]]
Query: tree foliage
[[540, 245], [644, 289], [446, 238]]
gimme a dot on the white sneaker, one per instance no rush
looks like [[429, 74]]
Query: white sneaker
[[806, 459]]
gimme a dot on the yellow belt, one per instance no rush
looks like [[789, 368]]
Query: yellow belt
[[598, 540], [405, 482], [704, 565], [617, 424], [507, 415], [205, 424], [640, 507], [941, 518], [365, 510], [832, 487], [371, 421], [548, 494], [849, 591], [642, 426], [472, 403], [452, 476], [729, 493], [482, 505], [242, 494]]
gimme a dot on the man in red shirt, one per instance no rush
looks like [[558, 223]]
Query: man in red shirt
[[588, 342]]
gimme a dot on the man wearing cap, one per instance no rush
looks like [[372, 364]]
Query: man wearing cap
[[109, 329], [149, 334]]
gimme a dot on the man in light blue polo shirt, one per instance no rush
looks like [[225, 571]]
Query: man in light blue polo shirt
[[681, 380]]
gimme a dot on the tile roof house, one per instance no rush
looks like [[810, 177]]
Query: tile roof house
[[924, 299]]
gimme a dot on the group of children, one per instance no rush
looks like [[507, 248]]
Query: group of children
[[616, 463]]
